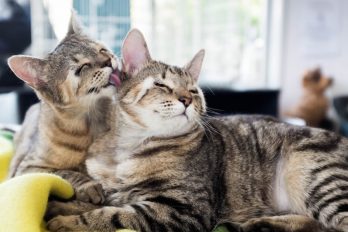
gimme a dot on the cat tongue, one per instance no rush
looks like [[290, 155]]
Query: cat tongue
[[115, 78]]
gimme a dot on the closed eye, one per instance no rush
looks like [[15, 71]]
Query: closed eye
[[163, 86], [79, 70], [102, 50], [194, 91]]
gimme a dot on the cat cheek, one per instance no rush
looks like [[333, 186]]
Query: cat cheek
[[194, 110], [191, 112]]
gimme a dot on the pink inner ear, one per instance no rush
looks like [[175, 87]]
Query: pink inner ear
[[195, 65], [134, 58], [22, 67], [134, 51]]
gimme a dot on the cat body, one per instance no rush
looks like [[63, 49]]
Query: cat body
[[194, 181], [73, 84], [166, 167]]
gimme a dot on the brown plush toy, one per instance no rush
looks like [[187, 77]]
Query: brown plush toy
[[313, 104]]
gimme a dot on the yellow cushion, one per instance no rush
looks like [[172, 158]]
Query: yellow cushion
[[6, 151], [23, 200]]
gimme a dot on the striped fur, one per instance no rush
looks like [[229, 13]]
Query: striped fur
[[58, 131], [163, 170]]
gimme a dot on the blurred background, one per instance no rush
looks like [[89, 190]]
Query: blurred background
[[285, 58]]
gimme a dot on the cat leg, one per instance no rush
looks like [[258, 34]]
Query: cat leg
[[284, 223], [106, 219], [166, 214], [86, 189], [243, 215], [317, 186], [56, 208]]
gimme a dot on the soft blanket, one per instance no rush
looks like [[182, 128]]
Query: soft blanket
[[23, 199]]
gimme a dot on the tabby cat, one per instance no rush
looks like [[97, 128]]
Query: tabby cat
[[76, 102], [174, 169]]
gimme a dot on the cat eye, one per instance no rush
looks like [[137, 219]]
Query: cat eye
[[163, 86], [160, 85], [194, 91], [79, 70], [102, 50]]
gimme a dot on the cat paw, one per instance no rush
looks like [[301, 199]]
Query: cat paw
[[66, 224], [54, 209], [256, 225], [91, 191]]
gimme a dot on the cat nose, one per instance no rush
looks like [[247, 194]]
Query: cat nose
[[185, 100], [107, 63]]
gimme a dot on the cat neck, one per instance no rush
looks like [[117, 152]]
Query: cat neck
[[133, 138], [72, 131], [71, 121], [62, 141]]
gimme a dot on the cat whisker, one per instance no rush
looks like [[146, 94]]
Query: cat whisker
[[207, 131], [213, 111], [208, 126], [210, 90]]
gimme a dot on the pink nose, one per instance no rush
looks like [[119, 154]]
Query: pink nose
[[185, 100]]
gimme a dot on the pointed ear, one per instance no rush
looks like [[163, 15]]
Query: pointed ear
[[134, 51], [28, 69], [74, 24], [195, 65]]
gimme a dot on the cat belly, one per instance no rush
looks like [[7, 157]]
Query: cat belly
[[280, 195]]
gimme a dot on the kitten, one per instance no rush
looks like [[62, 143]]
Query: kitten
[[173, 169], [76, 102]]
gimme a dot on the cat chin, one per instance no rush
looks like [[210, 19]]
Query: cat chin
[[107, 92], [174, 126], [178, 130]]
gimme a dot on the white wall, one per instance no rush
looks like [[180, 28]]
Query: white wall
[[308, 44], [9, 111]]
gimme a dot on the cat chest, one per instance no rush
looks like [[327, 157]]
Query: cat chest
[[143, 168], [102, 168]]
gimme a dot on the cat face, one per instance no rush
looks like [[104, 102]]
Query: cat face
[[164, 99], [77, 73]]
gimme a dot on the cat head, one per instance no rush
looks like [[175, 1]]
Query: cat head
[[164, 99], [75, 73]]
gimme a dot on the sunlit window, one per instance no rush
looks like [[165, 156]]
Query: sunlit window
[[233, 33]]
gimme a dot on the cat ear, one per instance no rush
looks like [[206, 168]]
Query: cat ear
[[134, 51], [195, 65], [74, 24], [28, 69]]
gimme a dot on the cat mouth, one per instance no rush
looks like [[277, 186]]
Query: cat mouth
[[183, 114], [115, 78]]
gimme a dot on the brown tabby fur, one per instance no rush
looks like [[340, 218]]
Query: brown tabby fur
[[166, 167], [76, 98]]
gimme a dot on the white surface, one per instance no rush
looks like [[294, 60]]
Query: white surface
[[321, 27], [8, 108], [295, 121]]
